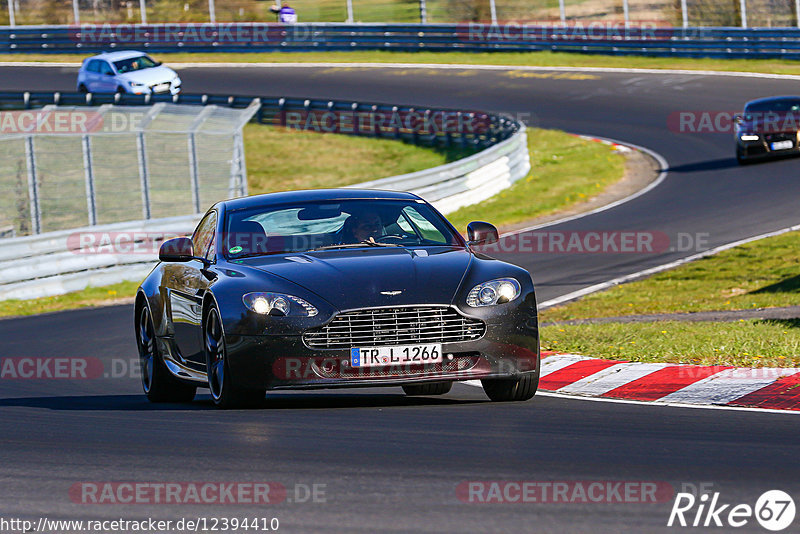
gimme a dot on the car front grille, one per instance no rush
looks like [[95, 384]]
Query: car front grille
[[395, 326]]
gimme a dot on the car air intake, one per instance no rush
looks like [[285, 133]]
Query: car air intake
[[395, 326]]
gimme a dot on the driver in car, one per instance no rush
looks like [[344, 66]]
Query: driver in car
[[362, 227]]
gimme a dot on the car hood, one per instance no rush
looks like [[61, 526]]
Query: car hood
[[149, 76], [363, 278]]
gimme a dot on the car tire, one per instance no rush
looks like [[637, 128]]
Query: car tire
[[82, 89], [158, 383], [431, 388], [511, 389], [740, 159], [224, 392], [121, 90]]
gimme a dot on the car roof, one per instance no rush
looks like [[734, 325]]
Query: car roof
[[117, 55], [315, 195], [770, 99]]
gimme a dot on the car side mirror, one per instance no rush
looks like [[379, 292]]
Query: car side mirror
[[176, 249], [481, 233], [738, 119]]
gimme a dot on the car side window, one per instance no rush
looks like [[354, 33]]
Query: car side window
[[93, 66], [105, 68], [411, 218], [203, 236]]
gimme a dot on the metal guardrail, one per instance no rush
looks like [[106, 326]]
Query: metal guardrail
[[472, 37], [69, 260]]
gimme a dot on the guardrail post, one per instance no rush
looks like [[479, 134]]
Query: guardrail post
[[143, 11], [685, 13], [33, 186], [423, 12], [797, 11], [76, 15], [88, 169], [350, 18], [743, 9], [626, 14], [212, 12], [11, 19], [563, 12], [493, 11]]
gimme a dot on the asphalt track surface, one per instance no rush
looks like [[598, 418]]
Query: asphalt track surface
[[390, 463]]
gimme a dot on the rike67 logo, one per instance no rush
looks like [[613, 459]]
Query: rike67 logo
[[774, 510]]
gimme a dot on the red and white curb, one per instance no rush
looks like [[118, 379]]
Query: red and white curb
[[720, 385]]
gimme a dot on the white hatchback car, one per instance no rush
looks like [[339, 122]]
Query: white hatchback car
[[126, 72]]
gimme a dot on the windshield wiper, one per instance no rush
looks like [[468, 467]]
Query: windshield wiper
[[366, 242]]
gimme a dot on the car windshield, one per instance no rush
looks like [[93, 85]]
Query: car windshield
[[134, 63], [327, 225], [774, 106]]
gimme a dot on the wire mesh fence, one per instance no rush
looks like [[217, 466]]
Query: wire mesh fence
[[67, 167], [756, 13]]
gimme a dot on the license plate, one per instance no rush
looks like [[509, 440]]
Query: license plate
[[160, 88], [395, 355], [781, 145]]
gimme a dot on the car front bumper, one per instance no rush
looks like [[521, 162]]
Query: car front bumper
[[509, 348]]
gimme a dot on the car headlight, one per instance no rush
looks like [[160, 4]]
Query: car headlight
[[749, 137], [278, 304], [493, 292], [137, 84]]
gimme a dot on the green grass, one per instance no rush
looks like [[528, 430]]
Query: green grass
[[538, 59], [764, 273], [749, 343], [565, 170], [282, 159], [86, 298]]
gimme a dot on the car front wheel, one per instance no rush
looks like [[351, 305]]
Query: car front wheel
[[224, 392], [511, 389]]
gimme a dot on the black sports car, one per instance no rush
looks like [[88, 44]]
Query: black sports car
[[333, 288], [768, 127]]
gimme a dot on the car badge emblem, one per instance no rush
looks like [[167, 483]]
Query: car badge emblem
[[391, 293]]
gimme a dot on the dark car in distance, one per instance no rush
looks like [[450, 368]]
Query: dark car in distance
[[330, 289], [768, 127]]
